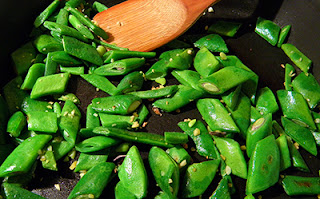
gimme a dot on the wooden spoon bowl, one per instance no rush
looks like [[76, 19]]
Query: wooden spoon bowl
[[144, 25]]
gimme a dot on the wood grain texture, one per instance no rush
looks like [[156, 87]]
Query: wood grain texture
[[145, 25]]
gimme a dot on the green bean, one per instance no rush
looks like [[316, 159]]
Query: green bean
[[80, 27], [100, 82], [118, 104], [88, 160], [23, 57], [81, 50], [167, 91], [16, 123], [297, 57], [114, 55], [205, 63], [96, 143], [213, 42], [94, 181], [34, 72], [19, 161], [46, 43], [87, 22], [44, 15], [141, 137], [13, 191], [99, 7], [120, 67], [44, 86]]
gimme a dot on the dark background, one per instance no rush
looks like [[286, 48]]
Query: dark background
[[304, 16]]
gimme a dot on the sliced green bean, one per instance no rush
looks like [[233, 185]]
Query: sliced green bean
[[100, 82], [46, 13], [114, 55], [120, 67], [141, 137], [81, 50], [166, 91]]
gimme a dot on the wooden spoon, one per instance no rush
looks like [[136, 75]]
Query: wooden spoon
[[144, 25]]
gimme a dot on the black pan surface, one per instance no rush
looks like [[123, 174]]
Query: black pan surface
[[304, 16]]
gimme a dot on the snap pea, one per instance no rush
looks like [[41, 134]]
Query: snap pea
[[308, 87], [46, 13], [34, 72], [266, 101], [16, 123], [205, 63], [268, 30], [212, 42], [303, 136], [298, 185], [224, 28], [22, 58], [12, 191], [297, 57], [96, 143], [100, 82], [264, 166], [167, 175], [44, 86], [46, 43], [202, 139], [120, 67], [198, 177], [295, 107], [81, 50], [224, 79], [114, 55], [94, 181], [14, 165], [132, 173], [88, 160], [117, 104], [80, 27], [216, 115]]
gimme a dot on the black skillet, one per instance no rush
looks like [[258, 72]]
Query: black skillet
[[304, 16]]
